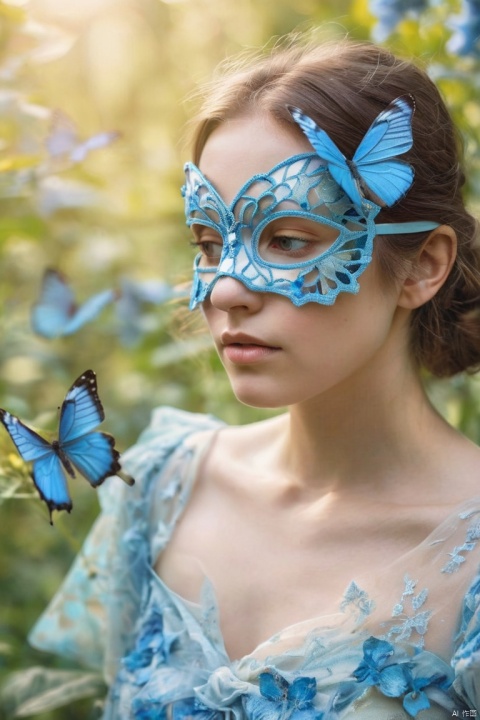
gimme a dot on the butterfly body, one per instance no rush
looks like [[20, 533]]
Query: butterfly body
[[57, 449], [78, 447], [374, 168]]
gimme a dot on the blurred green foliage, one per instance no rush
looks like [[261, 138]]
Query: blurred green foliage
[[131, 66]]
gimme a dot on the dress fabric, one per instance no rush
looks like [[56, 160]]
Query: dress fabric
[[407, 647]]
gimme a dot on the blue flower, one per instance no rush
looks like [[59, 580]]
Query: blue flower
[[466, 26], [144, 708], [417, 700], [407, 677], [281, 699], [377, 669], [148, 710], [390, 12], [150, 643], [193, 708]]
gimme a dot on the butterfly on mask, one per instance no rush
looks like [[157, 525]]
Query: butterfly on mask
[[373, 172], [78, 446]]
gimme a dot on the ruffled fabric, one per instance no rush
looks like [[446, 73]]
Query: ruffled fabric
[[92, 618], [466, 660], [163, 656]]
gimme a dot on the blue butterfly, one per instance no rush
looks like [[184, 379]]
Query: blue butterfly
[[92, 454], [63, 141], [56, 313], [373, 169], [133, 296]]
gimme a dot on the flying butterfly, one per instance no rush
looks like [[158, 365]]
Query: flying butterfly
[[63, 142], [56, 313], [78, 447], [374, 168], [132, 298]]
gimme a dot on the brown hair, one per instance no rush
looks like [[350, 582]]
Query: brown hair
[[343, 86]]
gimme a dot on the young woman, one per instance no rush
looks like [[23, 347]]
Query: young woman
[[323, 564]]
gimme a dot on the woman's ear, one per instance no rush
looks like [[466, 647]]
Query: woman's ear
[[430, 268]]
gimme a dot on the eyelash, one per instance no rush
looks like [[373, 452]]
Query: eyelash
[[199, 245], [292, 238]]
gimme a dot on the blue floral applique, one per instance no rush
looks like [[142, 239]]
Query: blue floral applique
[[148, 710], [281, 700], [192, 709], [379, 670], [397, 675], [413, 619], [356, 598], [416, 699], [150, 643], [472, 536]]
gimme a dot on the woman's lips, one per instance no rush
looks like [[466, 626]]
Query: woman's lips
[[244, 349]]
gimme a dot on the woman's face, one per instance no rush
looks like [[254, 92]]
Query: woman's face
[[277, 354]]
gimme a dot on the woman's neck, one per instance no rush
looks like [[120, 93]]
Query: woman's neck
[[365, 436]]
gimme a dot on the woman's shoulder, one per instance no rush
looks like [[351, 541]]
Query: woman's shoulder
[[172, 424], [168, 429], [172, 437], [255, 444]]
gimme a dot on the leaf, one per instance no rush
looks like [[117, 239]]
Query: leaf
[[18, 162]]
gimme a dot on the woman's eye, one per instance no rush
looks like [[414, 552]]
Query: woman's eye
[[288, 244], [289, 249], [210, 251]]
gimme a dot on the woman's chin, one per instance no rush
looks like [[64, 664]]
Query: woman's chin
[[260, 397]]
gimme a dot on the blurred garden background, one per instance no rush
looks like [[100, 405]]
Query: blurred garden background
[[94, 100]]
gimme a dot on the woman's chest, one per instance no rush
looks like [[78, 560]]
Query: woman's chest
[[270, 576]]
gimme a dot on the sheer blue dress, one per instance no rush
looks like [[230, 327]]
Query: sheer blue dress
[[407, 647]]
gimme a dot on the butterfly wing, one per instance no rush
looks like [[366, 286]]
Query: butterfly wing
[[152, 291], [63, 141], [389, 135], [50, 481], [62, 137], [89, 310], [81, 410], [48, 474], [96, 142], [92, 453], [56, 313], [328, 151], [28, 443], [133, 295], [389, 181], [55, 307]]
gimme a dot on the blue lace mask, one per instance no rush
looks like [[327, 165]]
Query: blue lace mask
[[252, 242]]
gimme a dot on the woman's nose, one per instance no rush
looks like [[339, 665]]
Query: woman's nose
[[229, 293]]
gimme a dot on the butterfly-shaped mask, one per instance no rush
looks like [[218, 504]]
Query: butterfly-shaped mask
[[93, 454], [341, 222]]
